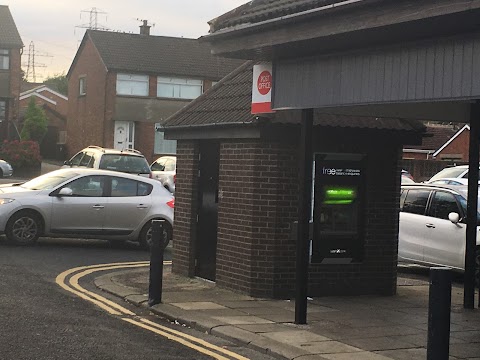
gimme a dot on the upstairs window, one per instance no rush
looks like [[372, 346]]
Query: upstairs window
[[3, 106], [134, 85], [178, 88], [82, 86], [4, 59]]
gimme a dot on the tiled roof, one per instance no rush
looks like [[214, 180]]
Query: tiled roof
[[436, 136], [261, 10], [229, 102], [151, 54], [9, 36]]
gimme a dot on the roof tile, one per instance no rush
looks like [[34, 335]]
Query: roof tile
[[9, 36]]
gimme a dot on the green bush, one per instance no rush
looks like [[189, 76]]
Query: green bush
[[35, 124], [21, 154]]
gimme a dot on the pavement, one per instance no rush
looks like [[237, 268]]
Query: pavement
[[338, 328]]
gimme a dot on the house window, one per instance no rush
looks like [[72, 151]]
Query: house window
[[163, 146], [128, 84], [179, 88], [3, 106], [4, 59], [82, 86]]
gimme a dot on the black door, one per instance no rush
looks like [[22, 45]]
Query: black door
[[206, 246]]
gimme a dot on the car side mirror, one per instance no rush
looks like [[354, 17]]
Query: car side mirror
[[454, 217], [65, 192]]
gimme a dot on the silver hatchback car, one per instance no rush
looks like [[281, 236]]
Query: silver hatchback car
[[432, 225], [164, 169], [86, 203]]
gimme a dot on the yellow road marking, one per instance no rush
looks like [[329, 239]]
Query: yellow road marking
[[177, 339], [113, 308]]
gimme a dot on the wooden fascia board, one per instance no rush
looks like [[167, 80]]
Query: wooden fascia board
[[292, 30]]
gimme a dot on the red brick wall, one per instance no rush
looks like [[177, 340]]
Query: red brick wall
[[459, 146], [12, 110], [87, 113], [186, 195], [258, 195]]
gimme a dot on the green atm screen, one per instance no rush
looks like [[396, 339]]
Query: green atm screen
[[334, 195]]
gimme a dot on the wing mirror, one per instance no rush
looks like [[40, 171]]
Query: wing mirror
[[454, 217], [65, 192]]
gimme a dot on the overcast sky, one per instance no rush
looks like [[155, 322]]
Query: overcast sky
[[56, 27]]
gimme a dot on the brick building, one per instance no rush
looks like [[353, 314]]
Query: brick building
[[238, 186], [55, 106], [10, 73], [123, 86]]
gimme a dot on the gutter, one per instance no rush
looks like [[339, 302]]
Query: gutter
[[252, 26]]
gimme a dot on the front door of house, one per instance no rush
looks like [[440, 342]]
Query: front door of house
[[206, 246], [124, 135]]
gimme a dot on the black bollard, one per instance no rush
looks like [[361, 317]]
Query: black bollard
[[439, 307], [156, 263]]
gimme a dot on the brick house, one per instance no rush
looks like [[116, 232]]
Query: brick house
[[123, 86], [237, 194], [55, 106], [10, 73], [435, 137]]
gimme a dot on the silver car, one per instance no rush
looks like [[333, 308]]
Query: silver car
[[6, 169], [164, 169], [432, 225], [85, 202]]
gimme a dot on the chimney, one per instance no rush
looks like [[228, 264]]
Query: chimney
[[145, 28]]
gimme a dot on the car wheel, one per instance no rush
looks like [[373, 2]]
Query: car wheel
[[145, 238], [23, 228]]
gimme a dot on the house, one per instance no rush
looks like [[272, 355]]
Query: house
[[436, 136], [123, 86], [237, 191], [55, 106], [10, 73]]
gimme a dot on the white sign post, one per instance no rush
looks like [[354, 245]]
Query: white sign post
[[262, 89]]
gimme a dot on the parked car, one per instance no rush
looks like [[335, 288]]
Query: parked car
[[85, 202], [460, 171], [6, 169], [164, 169], [129, 160], [432, 225], [406, 177], [449, 181]]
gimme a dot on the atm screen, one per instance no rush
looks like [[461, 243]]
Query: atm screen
[[334, 195]]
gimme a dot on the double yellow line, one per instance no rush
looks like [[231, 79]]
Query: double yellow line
[[69, 280]]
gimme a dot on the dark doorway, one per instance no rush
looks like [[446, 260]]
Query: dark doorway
[[206, 246]]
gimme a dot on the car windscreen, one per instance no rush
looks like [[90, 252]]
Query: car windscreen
[[124, 163], [448, 173], [49, 180]]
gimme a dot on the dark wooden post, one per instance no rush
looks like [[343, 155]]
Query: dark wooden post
[[304, 206], [472, 199]]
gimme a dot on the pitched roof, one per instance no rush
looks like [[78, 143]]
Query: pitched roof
[[263, 10], [457, 134], [435, 137], [9, 36], [229, 102], [159, 55]]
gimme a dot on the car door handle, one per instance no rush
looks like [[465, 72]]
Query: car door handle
[[141, 206], [98, 206], [430, 226]]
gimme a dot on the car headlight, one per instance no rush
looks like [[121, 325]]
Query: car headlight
[[6, 201]]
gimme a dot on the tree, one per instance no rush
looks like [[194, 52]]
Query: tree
[[35, 123], [58, 82]]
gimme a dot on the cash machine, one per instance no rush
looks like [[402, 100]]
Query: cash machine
[[338, 205]]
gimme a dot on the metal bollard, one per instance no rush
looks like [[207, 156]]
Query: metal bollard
[[439, 307], [156, 263]]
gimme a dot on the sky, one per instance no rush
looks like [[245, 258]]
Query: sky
[[54, 28]]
